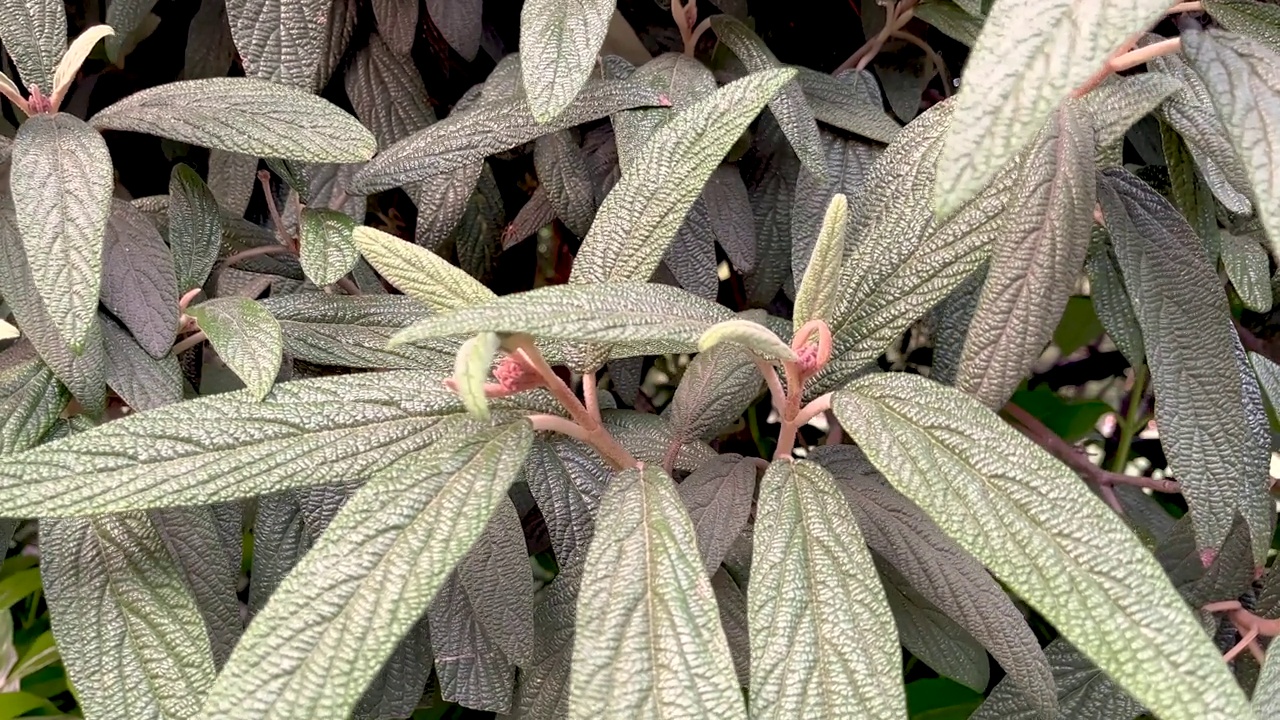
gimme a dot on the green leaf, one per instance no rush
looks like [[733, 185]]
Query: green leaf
[[1058, 546], [1249, 269], [15, 704], [138, 282], [789, 106], [563, 171], [19, 585], [682, 79], [1035, 261], [714, 391], [457, 20], [280, 40], [418, 272], [125, 17], [1190, 192], [35, 36], [951, 19], [772, 192], [652, 318], [718, 497], [1257, 20], [210, 47], [1243, 77], [750, 335], [641, 215], [31, 400], [307, 432], [471, 371], [1111, 299], [817, 293], [280, 539], [927, 633], [397, 689], [195, 227], [1027, 60], [128, 628], [479, 231], [61, 183], [142, 381], [949, 322], [543, 690], [387, 94], [243, 115], [849, 101], [940, 699], [559, 40], [647, 613], [338, 616], [246, 337], [1266, 693], [1084, 691], [822, 637], [325, 246], [1212, 424]]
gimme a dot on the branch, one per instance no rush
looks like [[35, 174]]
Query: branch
[[188, 342], [899, 16]]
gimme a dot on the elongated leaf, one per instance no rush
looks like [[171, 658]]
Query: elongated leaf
[[817, 293], [368, 580], [748, 334], [308, 432], [458, 22], [718, 497], [210, 47], [61, 183], [387, 93], [398, 689], [716, 388], [280, 539], [471, 370], [1190, 192], [1116, 105], [246, 337], [729, 212], [443, 200], [650, 439], [1257, 20], [562, 170], [1026, 61], [1249, 269], [806, 540], [195, 228], [418, 272], [847, 164], [1035, 262], [1110, 298], [1212, 425], [35, 36], [325, 248], [771, 190], [1243, 77], [646, 612], [543, 690], [1058, 546], [242, 115], [479, 231], [789, 106], [280, 40], [659, 317], [31, 399], [559, 40], [641, 215], [352, 331], [138, 282], [850, 101], [1266, 693], [951, 19], [931, 636], [127, 626], [142, 381], [567, 479], [1084, 691]]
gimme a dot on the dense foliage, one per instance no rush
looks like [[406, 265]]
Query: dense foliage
[[572, 358]]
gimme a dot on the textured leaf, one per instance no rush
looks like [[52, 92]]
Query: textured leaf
[[397, 689], [729, 213], [1116, 105], [812, 581], [949, 324], [714, 391], [418, 272], [951, 19], [458, 22], [1257, 20], [789, 106], [352, 331], [849, 101], [650, 438], [280, 539], [932, 637], [243, 115], [691, 258], [847, 164], [658, 318], [195, 228], [35, 36], [732, 603], [1190, 192], [1084, 691], [387, 93], [142, 381], [368, 580], [231, 446], [1266, 694], [718, 497], [941, 572], [543, 690], [566, 479], [325, 247], [210, 47], [647, 613], [1212, 425], [125, 18], [479, 231], [443, 200], [772, 192], [1035, 261], [232, 177], [562, 170], [138, 281], [642, 213], [471, 370], [681, 79], [127, 626], [1249, 269], [559, 40], [61, 182], [493, 125], [1110, 298], [340, 26], [817, 293], [748, 334], [281, 40], [31, 399], [246, 337], [1243, 77], [1058, 547]]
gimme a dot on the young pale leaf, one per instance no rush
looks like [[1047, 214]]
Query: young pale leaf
[[69, 65], [1212, 424], [142, 381], [714, 391], [1084, 691], [246, 337], [751, 335], [471, 371], [1036, 259], [822, 636], [127, 626], [641, 215], [1059, 547], [338, 616], [195, 227], [30, 398], [387, 93], [352, 331], [559, 40], [718, 497], [325, 247], [1027, 60], [61, 182], [1243, 77], [1249, 269], [280, 40], [849, 101], [789, 107], [660, 318], [816, 296], [418, 272], [1258, 20], [35, 36], [243, 115], [646, 612], [457, 20], [138, 281]]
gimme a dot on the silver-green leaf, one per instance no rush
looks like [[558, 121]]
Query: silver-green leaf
[[31, 399], [195, 227], [418, 272], [559, 40], [718, 497], [325, 245], [35, 36], [246, 337], [280, 40]]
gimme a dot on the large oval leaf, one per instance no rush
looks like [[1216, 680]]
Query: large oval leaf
[[1057, 545], [559, 40]]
